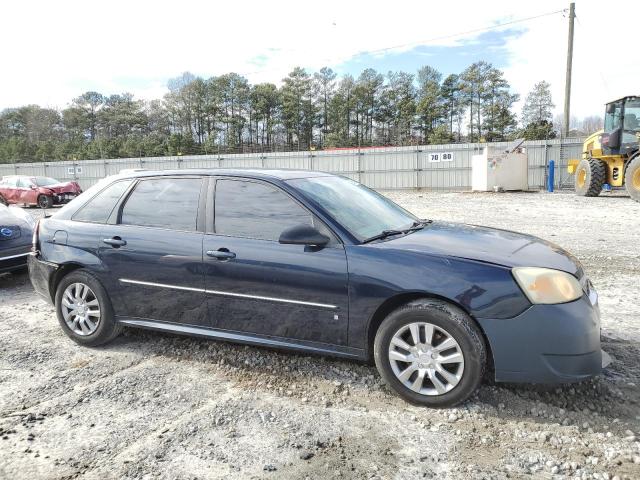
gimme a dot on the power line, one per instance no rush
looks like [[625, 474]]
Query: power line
[[443, 37], [453, 35]]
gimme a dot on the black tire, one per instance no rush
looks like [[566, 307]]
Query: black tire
[[459, 325], [3, 201], [590, 177], [44, 201], [107, 328], [632, 178]]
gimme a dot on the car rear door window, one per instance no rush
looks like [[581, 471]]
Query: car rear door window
[[170, 203], [255, 210], [98, 209], [24, 183]]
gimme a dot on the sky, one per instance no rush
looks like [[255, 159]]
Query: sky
[[52, 51]]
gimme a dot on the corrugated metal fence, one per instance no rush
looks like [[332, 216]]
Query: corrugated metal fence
[[433, 167]]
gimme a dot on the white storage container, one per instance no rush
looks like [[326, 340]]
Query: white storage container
[[496, 170]]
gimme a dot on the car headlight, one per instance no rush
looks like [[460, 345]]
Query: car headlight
[[547, 286]]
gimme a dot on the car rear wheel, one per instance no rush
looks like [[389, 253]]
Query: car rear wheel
[[84, 309], [45, 201], [431, 353]]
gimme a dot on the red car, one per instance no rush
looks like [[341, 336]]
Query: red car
[[41, 191]]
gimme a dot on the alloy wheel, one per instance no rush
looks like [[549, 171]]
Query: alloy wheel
[[426, 358], [80, 309]]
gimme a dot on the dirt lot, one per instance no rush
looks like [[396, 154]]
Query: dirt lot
[[160, 406]]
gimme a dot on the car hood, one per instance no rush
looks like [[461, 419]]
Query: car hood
[[61, 187], [492, 245]]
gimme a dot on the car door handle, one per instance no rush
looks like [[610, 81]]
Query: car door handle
[[221, 254], [115, 242]]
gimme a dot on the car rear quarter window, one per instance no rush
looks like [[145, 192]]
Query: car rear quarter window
[[255, 210], [98, 209], [170, 203]]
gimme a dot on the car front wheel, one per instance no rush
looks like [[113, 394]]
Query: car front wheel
[[45, 201], [431, 353], [84, 309]]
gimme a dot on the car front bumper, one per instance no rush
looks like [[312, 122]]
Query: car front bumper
[[548, 343], [14, 258], [62, 198]]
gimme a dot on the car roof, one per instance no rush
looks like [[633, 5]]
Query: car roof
[[261, 173]]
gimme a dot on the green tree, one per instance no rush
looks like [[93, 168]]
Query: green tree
[[538, 131], [227, 113], [340, 115], [365, 96], [452, 98], [499, 121], [325, 90], [298, 111], [430, 102], [265, 101], [538, 105], [122, 116], [88, 105], [474, 87], [402, 101]]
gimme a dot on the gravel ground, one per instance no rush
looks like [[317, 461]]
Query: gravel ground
[[152, 405]]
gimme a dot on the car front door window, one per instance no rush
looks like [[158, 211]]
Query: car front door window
[[254, 210]]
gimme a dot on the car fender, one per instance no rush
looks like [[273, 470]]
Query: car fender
[[481, 289], [45, 191]]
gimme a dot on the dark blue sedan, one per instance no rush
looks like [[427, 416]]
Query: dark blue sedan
[[318, 263]]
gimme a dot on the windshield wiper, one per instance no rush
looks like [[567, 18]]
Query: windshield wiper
[[415, 226], [383, 234]]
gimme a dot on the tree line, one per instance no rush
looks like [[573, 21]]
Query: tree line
[[307, 111]]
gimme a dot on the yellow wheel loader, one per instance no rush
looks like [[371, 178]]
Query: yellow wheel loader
[[611, 155]]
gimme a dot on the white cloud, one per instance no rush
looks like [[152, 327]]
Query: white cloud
[[53, 51]]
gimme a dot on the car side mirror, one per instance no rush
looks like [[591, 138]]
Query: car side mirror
[[303, 235], [33, 187]]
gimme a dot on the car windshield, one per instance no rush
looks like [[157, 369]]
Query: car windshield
[[42, 181], [362, 211]]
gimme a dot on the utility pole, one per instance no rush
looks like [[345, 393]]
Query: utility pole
[[567, 85]]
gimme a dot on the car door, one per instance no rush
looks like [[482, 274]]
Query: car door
[[27, 192], [152, 249], [257, 285]]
